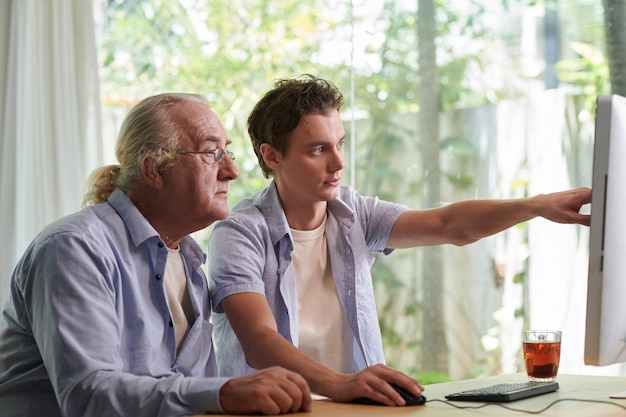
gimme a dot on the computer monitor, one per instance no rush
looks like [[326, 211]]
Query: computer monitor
[[605, 336]]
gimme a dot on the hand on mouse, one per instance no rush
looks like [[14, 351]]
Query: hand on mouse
[[374, 383]]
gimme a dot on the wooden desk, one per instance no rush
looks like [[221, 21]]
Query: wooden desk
[[597, 388]]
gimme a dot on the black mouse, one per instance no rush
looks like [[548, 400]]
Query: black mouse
[[409, 398]]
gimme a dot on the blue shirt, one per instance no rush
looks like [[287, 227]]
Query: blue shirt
[[250, 251], [87, 331]]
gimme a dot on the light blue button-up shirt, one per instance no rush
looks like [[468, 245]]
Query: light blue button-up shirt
[[251, 252], [87, 331]]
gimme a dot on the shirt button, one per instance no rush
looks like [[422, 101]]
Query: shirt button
[[171, 323], [160, 244], [158, 277]]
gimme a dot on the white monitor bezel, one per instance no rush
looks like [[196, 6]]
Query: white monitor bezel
[[605, 335]]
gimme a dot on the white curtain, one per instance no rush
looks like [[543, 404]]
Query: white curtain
[[50, 136]]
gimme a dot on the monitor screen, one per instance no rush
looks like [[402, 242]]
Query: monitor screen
[[605, 334]]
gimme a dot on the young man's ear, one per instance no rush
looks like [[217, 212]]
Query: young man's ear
[[151, 172], [271, 156]]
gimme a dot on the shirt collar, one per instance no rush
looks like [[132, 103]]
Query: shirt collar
[[268, 203], [140, 230]]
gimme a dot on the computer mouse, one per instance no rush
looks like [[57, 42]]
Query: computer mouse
[[409, 398]]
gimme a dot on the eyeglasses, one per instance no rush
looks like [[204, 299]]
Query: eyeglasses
[[219, 154]]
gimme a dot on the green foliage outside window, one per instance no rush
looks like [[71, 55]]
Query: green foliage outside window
[[231, 51]]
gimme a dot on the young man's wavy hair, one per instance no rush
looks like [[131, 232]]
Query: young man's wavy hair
[[281, 109]]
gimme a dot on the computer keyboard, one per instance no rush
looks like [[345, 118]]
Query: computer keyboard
[[505, 392]]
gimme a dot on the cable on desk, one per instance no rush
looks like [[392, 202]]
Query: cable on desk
[[476, 407]]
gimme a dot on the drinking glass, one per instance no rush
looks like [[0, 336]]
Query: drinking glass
[[542, 353]]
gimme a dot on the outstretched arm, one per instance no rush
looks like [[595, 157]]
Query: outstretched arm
[[468, 221], [255, 327]]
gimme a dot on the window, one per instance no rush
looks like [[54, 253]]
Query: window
[[445, 101]]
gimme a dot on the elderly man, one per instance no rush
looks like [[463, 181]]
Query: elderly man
[[108, 313]]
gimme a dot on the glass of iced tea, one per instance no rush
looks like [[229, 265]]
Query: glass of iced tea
[[542, 353]]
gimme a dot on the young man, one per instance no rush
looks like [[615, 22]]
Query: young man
[[108, 313], [295, 289]]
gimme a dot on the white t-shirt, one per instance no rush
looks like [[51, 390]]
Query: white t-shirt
[[324, 333], [177, 296]]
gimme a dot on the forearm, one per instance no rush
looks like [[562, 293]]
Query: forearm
[[459, 223], [468, 221], [118, 393], [268, 348], [372, 382], [487, 217]]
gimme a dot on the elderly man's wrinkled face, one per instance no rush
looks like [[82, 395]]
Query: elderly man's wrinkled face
[[197, 183]]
